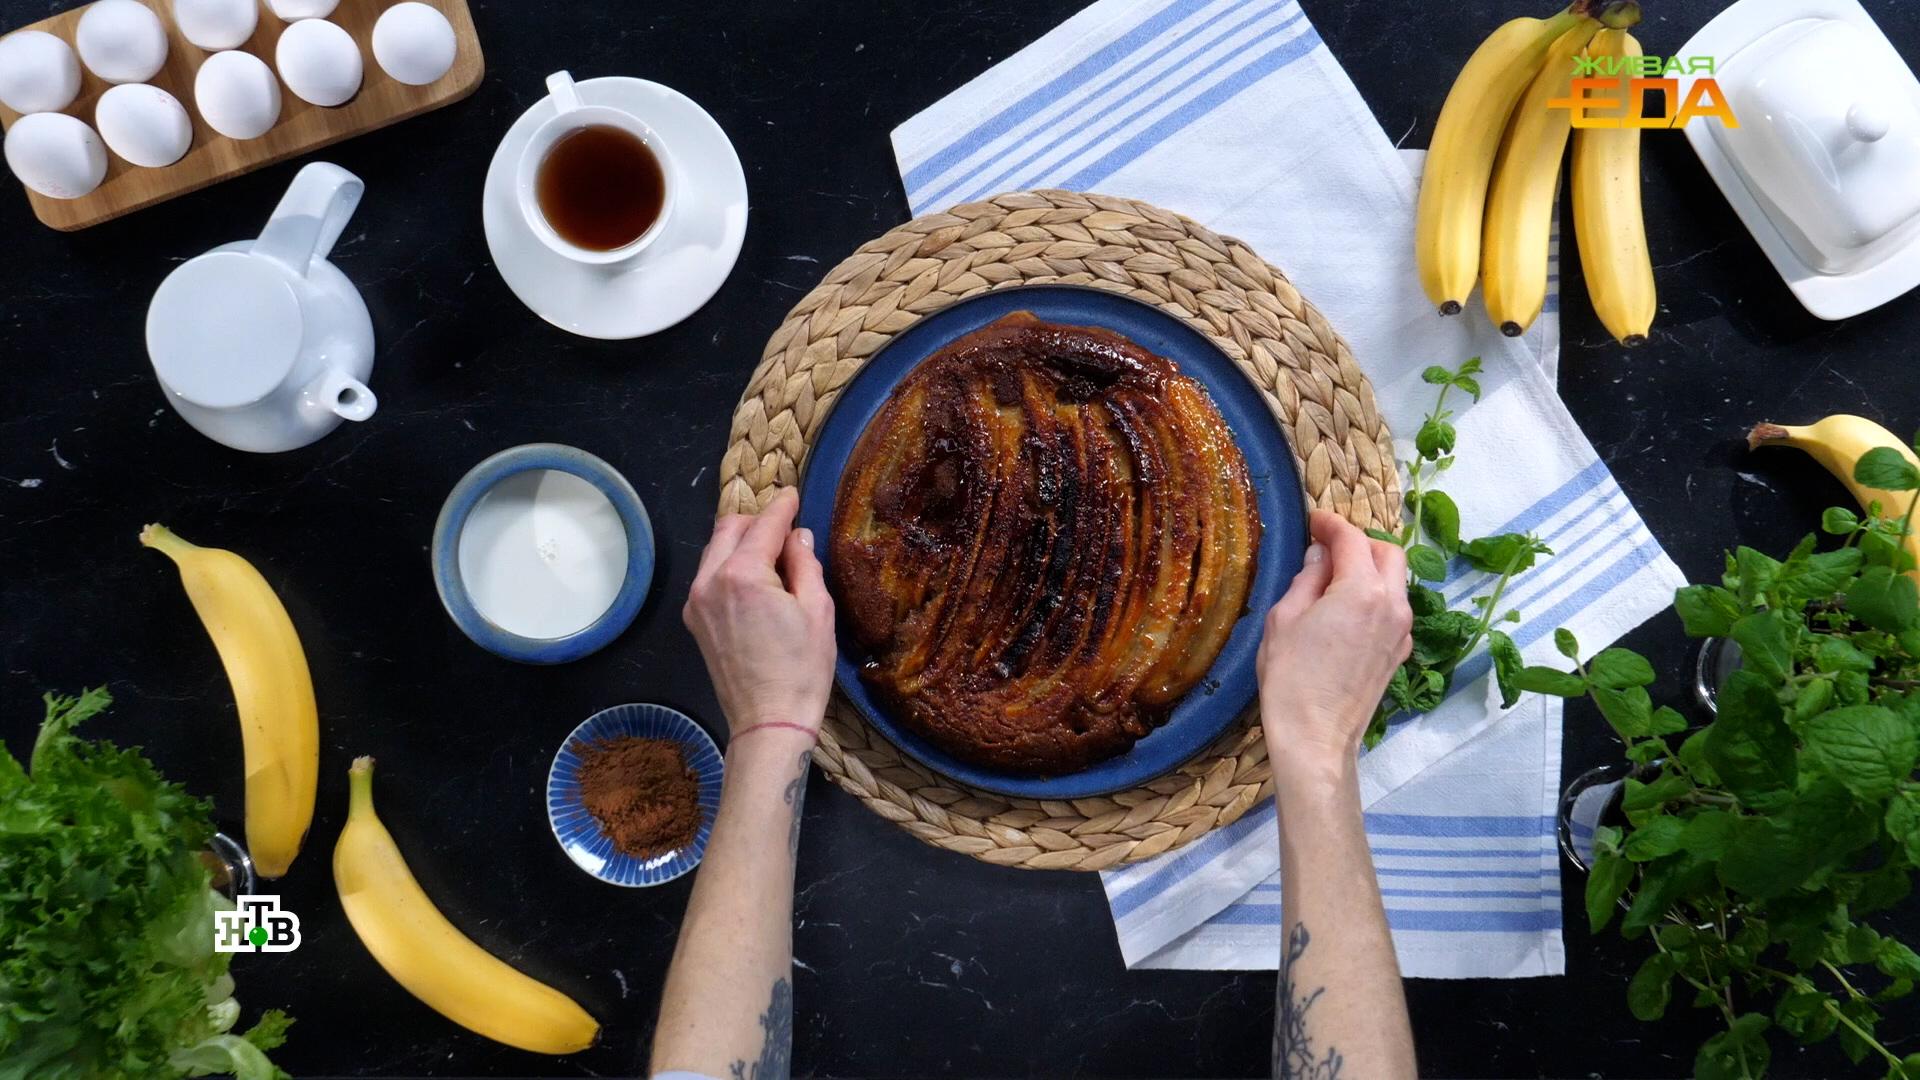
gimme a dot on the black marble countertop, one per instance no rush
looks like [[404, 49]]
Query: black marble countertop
[[909, 961]]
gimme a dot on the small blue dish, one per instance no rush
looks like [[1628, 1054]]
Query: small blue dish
[[1224, 695], [580, 836], [453, 519]]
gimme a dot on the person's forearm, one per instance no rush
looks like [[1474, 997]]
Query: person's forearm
[[1339, 1007], [728, 1004]]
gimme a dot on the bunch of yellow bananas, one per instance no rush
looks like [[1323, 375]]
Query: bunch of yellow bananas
[[1493, 175]]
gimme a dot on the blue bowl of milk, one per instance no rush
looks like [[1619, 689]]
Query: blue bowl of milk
[[543, 553]]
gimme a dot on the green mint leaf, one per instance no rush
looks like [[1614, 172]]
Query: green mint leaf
[[1903, 824], [1804, 1015], [1753, 573], [1651, 987], [1506, 665], [1895, 960], [1766, 644], [1707, 833], [1838, 654], [1818, 577], [1666, 721], [1656, 837], [1606, 882], [1707, 610], [1693, 754], [1629, 710], [1618, 669], [1880, 546], [1813, 699], [1884, 600], [1865, 747], [1383, 536], [1739, 1053], [1663, 883], [1441, 520], [1839, 521], [1470, 385], [1568, 645], [1546, 680], [1437, 376], [1770, 856], [1749, 745], [1649, 751], [1886, 468], [1435, 439], [1469, 366], [1494, 554], [1425, 601], [1663, 789], [1439, 639], [1427, 563]]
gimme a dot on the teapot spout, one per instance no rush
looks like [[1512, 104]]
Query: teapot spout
[[343, 395]]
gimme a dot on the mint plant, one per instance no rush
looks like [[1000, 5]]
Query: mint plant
[[1754, 849]]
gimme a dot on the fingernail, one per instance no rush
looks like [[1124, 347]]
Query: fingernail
[[1315, 553], [806, 538]]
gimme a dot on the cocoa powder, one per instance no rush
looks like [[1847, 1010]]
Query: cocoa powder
[[641, 792]]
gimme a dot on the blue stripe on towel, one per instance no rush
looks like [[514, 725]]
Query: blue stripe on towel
[[1408, 919], [1212, 21], [1011, 116], [1220, 92]]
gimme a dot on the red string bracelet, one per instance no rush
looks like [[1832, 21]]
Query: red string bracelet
[[810, 732]]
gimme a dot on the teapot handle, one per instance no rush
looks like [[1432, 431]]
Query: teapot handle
[[310, 217]]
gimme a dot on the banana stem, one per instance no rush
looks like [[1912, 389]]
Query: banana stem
[[1618, 14], [164, 540], [360, 787], [1764, 433]]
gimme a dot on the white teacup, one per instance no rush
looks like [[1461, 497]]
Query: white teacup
[[571, 114]]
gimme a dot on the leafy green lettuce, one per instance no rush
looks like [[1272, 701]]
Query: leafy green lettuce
[[107, 967]]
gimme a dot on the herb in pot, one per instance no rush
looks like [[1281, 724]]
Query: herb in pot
[[107, 968], [1754, 847], [1766, 838]]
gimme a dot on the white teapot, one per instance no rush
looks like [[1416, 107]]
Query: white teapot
[[263, 344]]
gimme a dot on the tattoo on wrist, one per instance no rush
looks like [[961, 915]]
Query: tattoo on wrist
[[776, 1049], [1294, 1057], [796, 797]]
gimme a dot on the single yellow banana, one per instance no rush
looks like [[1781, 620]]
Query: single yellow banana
[[1607, 215], [1466, 140], [1838, 442], [279, 723], [1526, 180], [425, 953]]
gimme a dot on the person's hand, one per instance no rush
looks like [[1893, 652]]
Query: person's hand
[[760, 610], [1332, 643]]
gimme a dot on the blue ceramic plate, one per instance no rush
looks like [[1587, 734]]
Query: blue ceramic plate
[[580, 836], [459, 506], [1229, 687]]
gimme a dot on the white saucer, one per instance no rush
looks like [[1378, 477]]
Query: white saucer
[[677, 273]]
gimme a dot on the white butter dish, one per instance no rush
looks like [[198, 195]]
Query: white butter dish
[[1824, 167]]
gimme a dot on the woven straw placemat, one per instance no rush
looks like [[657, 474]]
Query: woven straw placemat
[[1217, 286]]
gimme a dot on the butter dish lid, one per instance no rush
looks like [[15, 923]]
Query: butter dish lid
[[1829, 133], [1823, 166]]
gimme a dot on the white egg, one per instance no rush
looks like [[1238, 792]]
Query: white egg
[[216, 24], [38, 72], [56, 155], [303, 9], [237, 95], [121, 41], [144, 124], [319, 62], [414, 43]]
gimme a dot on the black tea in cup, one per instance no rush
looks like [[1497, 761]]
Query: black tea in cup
[[600, 187]]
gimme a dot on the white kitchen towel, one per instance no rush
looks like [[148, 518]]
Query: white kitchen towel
[[1235, 114]]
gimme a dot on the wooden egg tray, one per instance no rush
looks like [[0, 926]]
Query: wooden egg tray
[[302, 126]]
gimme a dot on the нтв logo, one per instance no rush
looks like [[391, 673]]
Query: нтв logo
[[258, 924], [1596, 77]]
